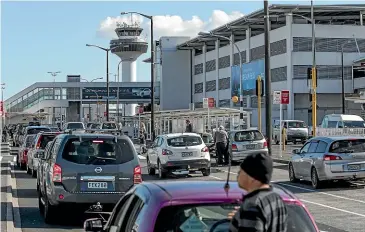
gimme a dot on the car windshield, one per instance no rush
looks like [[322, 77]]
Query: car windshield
[[75, 125], [98, 151], [54, 129], [33, 131], [45, 139], [184, 141], [202, 217], [29, 140], [109, 126], [354, 124], [348, 146], [297, 124], [247, 136]]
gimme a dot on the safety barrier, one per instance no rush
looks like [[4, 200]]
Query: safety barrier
[[340, 131]]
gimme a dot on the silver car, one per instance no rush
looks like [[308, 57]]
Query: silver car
[[246, 142], [324, 159]]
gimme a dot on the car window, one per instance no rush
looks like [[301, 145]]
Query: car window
[[29, 140], [353, 124], [75, 126], [305, 148], [313, 147], [44, 140], [98, 151], [207, 138], [183, 141], [252, 135], [55, 149], [331, 124], [118, 209], [134, 214], [37, 130], [109, 126], [160, 141], [321, 148], [130, 214], [296, 124], [348, 146], [94, 126], [49, 151]]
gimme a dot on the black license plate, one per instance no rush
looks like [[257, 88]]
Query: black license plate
[[353, 167], [186, 154], [251, 146]]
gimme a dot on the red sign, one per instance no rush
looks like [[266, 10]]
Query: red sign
[[140, 110], [285, 99], [104, 114], [211, 102], [1, 107]]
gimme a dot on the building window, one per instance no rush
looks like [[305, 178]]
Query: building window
[[236, 58], [304, 44], [257, 53], [224, 103], [210, 86], [323, 72], [276, 48], [224, 83], [224, 62], [198, 69], [210, 66], [278, 74], [198, 88]]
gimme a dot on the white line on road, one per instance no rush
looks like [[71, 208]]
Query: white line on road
[[214, 177], [327, 194], [334, 208], [15, 201]]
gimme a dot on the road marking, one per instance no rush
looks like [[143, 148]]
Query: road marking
[[214, 177], [15, 201], [327, 194], [334, 208]]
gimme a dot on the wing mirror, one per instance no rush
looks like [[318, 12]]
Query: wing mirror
[[93, 225], [296, 151]]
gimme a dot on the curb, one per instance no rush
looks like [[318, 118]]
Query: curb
[[281, 161]]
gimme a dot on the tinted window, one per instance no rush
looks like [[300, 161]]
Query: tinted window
[[184, 141], [54, 129], [34, 124], [297, 124], [248, 136], [321, 148], [33, 131], [207, 138], [75, 126], [331, 124], [172, 218], [109, 126], [305, 148], [348, 146], [44, 140], [29, 140], [94, 126], [353, 124], [313, 147], [98, 151]]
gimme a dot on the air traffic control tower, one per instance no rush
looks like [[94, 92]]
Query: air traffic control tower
[[129, 46]]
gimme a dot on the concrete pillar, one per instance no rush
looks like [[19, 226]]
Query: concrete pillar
[[231, 56], [248, 59], [193, 79], [204, 70], [289, 67], [217, 43]]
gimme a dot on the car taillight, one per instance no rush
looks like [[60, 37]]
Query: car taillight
[[166, 152], [137, 175], [331, 157], [205, 149], [57, 173], [25, 152], [39, 142], [265, 144], [234, 147]]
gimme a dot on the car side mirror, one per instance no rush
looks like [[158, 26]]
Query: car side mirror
[[296, 151], [93, 225]]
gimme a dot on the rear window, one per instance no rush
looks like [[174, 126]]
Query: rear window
[[109, 126], [54, 129], [98, 151], [180, 218], [184, 141], [248, 136], [348, 146], [45, 139], [94, 126], [34, 124], [34, 131], [207, 138], [75, 126], [354, 124], [297, 124], [29, 140]]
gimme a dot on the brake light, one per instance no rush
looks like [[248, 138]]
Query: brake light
[[137, 175], [98, 141], [205, 149], [57, 173], [331, 157], [265, 144], [39, 142], [166, 152], [234, 147]]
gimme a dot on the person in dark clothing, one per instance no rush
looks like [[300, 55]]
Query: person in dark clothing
[[221, 142], [261, 210], [189, 127]]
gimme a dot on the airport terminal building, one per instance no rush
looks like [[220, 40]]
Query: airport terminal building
[[188, 70]]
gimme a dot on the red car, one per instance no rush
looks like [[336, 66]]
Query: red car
[[22, 159]]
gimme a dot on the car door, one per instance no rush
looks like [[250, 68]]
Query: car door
[[152, 151], [127, 223], [46, 165], [308, 159], [298, 167]]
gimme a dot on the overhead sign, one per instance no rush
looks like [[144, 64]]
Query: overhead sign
[[134, 93], [208, 102], [277, 98], [285, 97]]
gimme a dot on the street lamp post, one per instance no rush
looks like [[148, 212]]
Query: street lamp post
[[240, 57], [99, 78], [120, 62], [2, 102], [152, 72], [54, 74]]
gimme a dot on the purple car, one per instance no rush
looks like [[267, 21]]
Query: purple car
[[187, 206]]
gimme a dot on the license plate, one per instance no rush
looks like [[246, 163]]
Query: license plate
[[251, 146], [97, 185], [353, 167], [186, 154]]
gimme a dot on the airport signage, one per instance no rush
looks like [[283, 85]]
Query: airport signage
[[128, 93]]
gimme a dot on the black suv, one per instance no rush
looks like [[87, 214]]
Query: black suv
[[85, 169]]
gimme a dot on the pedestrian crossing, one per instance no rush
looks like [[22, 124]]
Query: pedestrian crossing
[[7, 150]]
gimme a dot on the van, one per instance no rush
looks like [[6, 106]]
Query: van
[[342, 121], [296, 131]]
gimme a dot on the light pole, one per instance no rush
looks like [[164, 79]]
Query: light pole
[[97, 97], [2, 102], [206, 34], [97, 100], [152, 72], [120, 62], [54, 74]]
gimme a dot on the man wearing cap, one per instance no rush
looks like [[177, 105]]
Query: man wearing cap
[[221, 143], [262, 210]]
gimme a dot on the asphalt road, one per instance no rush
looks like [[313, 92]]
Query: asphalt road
[[335, 209]]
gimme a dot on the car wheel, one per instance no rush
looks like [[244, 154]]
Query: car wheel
[[292, 177], [206, 172], [316, 183], [151, 170], [50, 212], [161, 173]]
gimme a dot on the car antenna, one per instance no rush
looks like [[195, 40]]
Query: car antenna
[[226, 185]]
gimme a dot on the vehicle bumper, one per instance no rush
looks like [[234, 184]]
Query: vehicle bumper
[[82, 198], [337, 173], [189, 165], [241, 155], [296, 138]]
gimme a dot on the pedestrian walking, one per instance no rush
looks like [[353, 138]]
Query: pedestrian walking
[[261, 210], [189, 127], [221, 143]]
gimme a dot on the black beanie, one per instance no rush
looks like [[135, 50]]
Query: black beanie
[[259, 167]]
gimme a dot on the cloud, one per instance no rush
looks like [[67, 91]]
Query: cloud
[[169, 25]]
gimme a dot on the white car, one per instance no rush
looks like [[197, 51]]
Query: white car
[[178, 153], [75, 126], [145, 92]]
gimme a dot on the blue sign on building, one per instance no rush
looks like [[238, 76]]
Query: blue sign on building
[[250, 72]]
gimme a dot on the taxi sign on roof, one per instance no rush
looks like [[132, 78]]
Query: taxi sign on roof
[[193, 224]]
